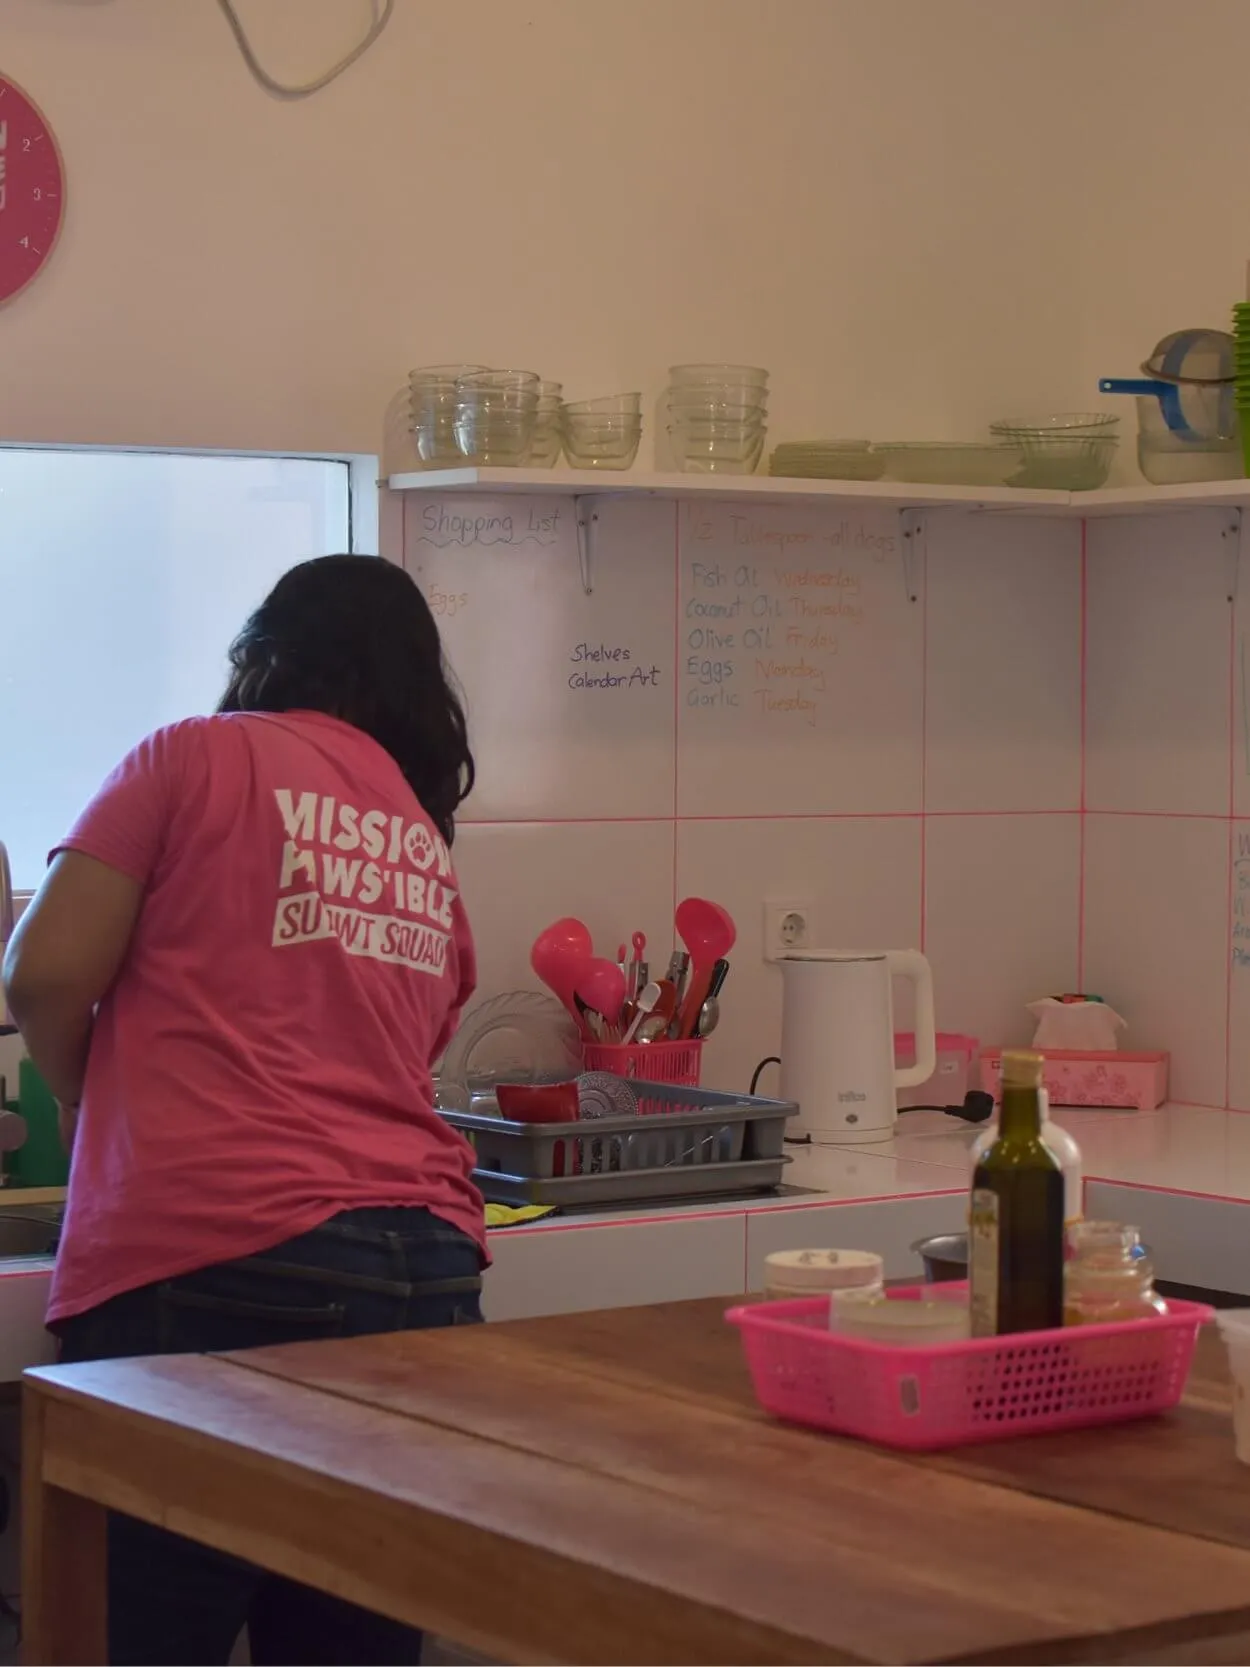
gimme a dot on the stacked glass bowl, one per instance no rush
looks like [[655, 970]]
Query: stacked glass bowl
[[432, 413], [602, 433], [1071, 451], [545, 445], [718, 417], [496, 413]]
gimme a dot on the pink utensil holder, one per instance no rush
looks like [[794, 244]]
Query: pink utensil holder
[[675, 1062]]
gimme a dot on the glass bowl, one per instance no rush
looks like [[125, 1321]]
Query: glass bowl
[[609, 405], [715, 404], [502, 439], [613, 452], [710, 455], [425, 375], [1065, 462], [733, 376], [545, 446], [1059, 425]]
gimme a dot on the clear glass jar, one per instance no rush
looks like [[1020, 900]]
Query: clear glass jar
[[1108, 1276]]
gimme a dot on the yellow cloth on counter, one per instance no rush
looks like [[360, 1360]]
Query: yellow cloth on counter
[[504, 1215]]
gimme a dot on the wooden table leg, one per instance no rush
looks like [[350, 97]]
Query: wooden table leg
[[64, 1560]]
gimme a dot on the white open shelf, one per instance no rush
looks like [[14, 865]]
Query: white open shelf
[[1117, 500]]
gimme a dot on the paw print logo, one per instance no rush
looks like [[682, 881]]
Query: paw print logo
[[418, 846]]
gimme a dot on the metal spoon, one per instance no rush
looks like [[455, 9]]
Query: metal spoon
[[709, 1018]]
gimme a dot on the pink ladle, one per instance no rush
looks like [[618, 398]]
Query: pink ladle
[[558, 955], [601, 985], [709, 933]]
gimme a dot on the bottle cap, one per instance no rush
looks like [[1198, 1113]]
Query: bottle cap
[[1022, 1069]]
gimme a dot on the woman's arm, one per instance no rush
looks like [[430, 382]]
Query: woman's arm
[[63, 958]]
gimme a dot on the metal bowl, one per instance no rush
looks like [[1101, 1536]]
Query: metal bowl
[[945, 1257]]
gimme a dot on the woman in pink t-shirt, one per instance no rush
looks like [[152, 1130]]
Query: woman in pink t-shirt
[[241, 965]]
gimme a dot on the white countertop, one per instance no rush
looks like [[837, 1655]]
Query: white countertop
[[1178, 1148]]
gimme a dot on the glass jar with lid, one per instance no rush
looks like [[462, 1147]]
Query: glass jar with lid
[[1109, 1276]]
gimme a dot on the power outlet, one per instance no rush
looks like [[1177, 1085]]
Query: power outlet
[[787, 926]]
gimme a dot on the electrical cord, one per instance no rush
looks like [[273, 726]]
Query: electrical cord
[[280, 89], [773, 1059], [978, 1107]]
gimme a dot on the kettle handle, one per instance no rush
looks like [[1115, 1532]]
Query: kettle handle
[[910, 963]]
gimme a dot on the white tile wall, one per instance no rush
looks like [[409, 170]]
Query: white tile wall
[[935, 796], [1156, 939], [860, 875], [1002, 910], [1003, 711], [950, 685], [1157, 673]]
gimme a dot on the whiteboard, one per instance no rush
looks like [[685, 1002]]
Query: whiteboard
[[800, 662], [570, 697]]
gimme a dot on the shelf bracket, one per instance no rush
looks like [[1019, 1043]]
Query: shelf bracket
[[1234, 536], [911, 524], [586, 513]]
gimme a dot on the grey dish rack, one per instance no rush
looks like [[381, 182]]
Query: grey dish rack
[[684, 1143]]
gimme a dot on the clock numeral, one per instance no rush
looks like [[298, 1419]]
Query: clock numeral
[[25, 242], [25, 144], [38, 194]]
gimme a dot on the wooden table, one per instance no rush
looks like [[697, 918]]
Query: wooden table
[[602, 1487]]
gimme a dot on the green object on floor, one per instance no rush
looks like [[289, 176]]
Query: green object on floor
[[42, 1161]]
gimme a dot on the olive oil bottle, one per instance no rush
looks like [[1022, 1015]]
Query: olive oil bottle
[[1015, 1223]]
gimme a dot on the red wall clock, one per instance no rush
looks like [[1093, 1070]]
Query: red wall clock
[[32, 190]]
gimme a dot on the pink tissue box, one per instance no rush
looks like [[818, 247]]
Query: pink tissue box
[[1131, 1081], [952, 1079]]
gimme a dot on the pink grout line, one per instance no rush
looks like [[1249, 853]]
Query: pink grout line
[[924, 751], [1084, 661], [761, 816]]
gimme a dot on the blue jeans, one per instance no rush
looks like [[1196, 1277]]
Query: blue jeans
[[176, 1603]]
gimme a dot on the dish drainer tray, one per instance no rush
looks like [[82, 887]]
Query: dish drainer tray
[[633, 1186], [676, 1128]]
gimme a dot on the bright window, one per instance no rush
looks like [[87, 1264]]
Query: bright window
[[123, 578]]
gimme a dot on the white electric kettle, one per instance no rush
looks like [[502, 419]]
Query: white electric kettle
[[837, 1039]]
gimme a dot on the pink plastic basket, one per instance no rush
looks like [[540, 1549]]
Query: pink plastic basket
[[950, 1394], [673, 1062]]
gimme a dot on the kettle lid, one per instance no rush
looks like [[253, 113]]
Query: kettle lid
[[841, 957]]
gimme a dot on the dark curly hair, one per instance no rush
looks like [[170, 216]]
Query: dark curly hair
[[352, 636]]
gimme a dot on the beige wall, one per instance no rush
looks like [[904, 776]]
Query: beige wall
[[882, 200], [1167, 177]]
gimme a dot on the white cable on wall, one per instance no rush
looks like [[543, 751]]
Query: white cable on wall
[[280, 89]]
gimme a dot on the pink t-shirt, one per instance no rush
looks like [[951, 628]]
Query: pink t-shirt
[[263, 1059]]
